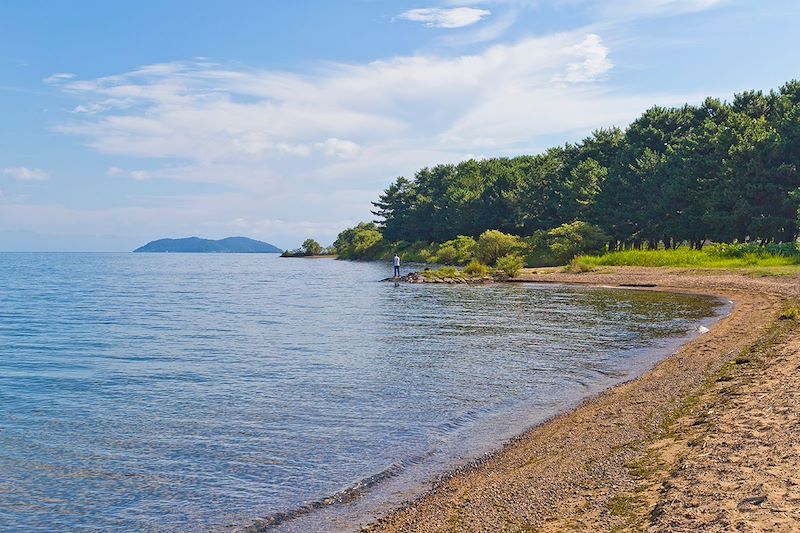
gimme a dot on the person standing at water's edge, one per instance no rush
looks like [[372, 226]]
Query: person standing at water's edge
[[396, 266]]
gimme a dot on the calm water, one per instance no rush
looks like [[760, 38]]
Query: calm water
[[200, 392]]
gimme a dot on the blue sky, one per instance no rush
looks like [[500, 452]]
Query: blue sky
[[123, 122]]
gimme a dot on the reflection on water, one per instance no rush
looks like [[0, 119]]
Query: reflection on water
[[192, 392]]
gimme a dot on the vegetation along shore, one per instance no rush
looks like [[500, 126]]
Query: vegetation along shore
[[717, 172]]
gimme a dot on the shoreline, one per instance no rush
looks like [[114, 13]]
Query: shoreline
[[574, 471]]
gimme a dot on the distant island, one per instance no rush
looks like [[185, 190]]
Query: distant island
[[230, 245]]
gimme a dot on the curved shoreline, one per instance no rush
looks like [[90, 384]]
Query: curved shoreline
[[571, 471]]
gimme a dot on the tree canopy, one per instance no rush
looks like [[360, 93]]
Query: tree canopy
[[311, 247], [719, 171]]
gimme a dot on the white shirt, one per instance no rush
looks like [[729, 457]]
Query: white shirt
[[396, 261]]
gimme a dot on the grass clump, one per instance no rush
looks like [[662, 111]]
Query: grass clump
[[476, 269], [579, 267], [510, 265], [622, 505], [791, 313], [444, 273]]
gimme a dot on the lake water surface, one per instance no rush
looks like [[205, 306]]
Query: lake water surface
[[194, 392]]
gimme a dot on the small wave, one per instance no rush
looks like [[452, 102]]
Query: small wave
[[459, 422], [348, 495]]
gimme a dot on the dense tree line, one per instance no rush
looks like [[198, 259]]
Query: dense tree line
[[725, 172]]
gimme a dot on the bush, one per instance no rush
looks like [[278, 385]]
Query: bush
[[446, 255], [311, 247], [361, 242], [476, 269], [560, 245], [510, 265], [493, 244], [457, 251], [423, 256]]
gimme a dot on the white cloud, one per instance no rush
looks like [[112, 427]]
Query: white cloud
[[593, 61], [457, 17], [139, 175], [485, 32], [210, 114], [26, 174], [114, 171], [334, 147], [59, 77]]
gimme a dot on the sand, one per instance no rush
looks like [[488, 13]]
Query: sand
[[708, 440]]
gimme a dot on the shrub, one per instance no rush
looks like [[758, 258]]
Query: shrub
[[510, 265], [457, 251], [361, 242], [569, 240], [494, 244], [476, 269], [424, 256], [560, 245], [446, 255], [311, 247]]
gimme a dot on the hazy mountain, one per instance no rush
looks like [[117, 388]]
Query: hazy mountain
[[230, 245]]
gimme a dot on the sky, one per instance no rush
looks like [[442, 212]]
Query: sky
[[125, 122]]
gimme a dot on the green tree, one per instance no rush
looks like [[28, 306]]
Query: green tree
[[394, 208], [494, 244], [716, 171], [361, 242], [560, 245], [311, 247]]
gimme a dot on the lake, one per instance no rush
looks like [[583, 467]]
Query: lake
[[196, 392]]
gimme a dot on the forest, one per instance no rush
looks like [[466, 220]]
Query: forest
[[722, 172]]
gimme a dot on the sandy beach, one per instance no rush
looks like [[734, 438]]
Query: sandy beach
[[708, 440]]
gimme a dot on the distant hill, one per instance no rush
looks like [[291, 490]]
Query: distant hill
[[231, 245]]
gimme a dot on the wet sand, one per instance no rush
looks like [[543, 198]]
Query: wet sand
[[709, 439]]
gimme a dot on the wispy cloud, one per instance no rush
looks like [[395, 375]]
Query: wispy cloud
[[139, 175], [26, 174], [59, 76], [209, 113], [632, 9], [489, 32], [457, 17]]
